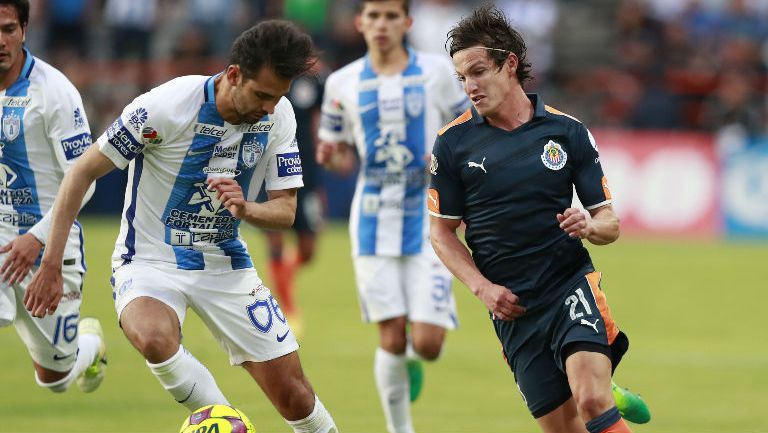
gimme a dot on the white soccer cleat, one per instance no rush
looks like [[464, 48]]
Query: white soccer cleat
[[91, 378]]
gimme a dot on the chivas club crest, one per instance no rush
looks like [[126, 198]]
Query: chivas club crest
[[252, 151], [11, 126], [554, 157]]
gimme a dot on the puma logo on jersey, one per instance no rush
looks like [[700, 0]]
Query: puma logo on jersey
[[481, 166], [593, 325]]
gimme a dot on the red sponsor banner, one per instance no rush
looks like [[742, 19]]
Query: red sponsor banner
[[663, 183]]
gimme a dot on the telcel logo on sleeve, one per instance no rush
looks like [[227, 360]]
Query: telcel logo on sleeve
[[288, 164], [76, 146]]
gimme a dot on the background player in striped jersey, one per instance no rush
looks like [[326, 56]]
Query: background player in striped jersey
[[44, 131], [507, 168], [198, 150], [388, 105]]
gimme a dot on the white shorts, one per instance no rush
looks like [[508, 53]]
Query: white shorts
[[52, 340], [237, 308], [418, 287]]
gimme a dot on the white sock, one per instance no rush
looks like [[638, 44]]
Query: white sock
[[392, 382], [87, 350], [188, 381], [319, 421]]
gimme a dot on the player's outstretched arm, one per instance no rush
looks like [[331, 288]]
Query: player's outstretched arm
[[499, 300], [601, 229], [278, 212], [337, 157], [45, 290]]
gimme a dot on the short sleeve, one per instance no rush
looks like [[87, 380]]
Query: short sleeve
[[284, 164], [589, 180], [135, 129], [67, 126], [445, 197], [334, 126]]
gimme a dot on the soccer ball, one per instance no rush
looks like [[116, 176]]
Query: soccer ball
[[217, 418]]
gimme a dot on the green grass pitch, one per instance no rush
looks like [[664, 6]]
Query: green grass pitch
[[695, 313]]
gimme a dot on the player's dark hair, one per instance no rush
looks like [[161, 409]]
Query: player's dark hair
[[406, 5], [277, 44], [22, 9], [489, 27]]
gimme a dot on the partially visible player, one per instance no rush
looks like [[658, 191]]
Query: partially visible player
[[44, 131], [306, 96], [198, 149], [386, 108]]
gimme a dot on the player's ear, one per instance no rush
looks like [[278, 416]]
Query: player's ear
[[512, 61], [233, 74], [359, 23], [408, 22]]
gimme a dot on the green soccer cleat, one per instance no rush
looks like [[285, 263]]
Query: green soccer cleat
[[91, 378], [630, 405], [415, 377]]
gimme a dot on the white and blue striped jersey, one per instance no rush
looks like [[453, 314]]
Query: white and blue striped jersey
[[173, 139], [393, 121], [44, 129]]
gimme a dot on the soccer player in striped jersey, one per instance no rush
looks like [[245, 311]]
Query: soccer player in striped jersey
[[507, 168], [44, 131], [386, 108], [198, 150]]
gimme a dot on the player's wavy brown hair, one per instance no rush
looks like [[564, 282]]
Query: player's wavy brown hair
[[277, 44], [489, 27], [22, 9]]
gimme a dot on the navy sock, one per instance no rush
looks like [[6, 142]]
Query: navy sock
[[602, 422]]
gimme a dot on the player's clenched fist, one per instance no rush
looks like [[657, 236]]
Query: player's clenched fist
[[230, 194], [575, 223]]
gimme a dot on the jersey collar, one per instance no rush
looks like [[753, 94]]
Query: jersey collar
[[538, 109]]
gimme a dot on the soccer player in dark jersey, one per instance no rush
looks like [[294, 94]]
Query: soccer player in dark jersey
[[507, 168]]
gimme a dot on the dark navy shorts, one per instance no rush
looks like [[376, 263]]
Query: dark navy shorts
[[536, 345]]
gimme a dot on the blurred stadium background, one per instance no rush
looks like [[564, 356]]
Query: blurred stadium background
[[675, 92]]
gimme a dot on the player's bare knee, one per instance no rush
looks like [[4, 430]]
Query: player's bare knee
[[428, 349], [591, 403], [393, 343], [154, 344]]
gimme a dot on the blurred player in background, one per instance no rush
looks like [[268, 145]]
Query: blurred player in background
[[198, 150], [389, 105], [507, 168], [44, 131], [306, 96]]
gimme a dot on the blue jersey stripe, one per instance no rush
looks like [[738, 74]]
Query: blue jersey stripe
[[82, 243], [130, 211], [367, 224], [189, 196], [20, 183], [415, 105]]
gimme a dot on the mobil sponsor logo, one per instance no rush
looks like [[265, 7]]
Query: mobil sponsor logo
[[76, 146], [288, 164], [210, 130], [253, 128], [222, 151]]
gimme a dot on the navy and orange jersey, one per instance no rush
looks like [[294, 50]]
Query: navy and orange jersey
[[508, 187]]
